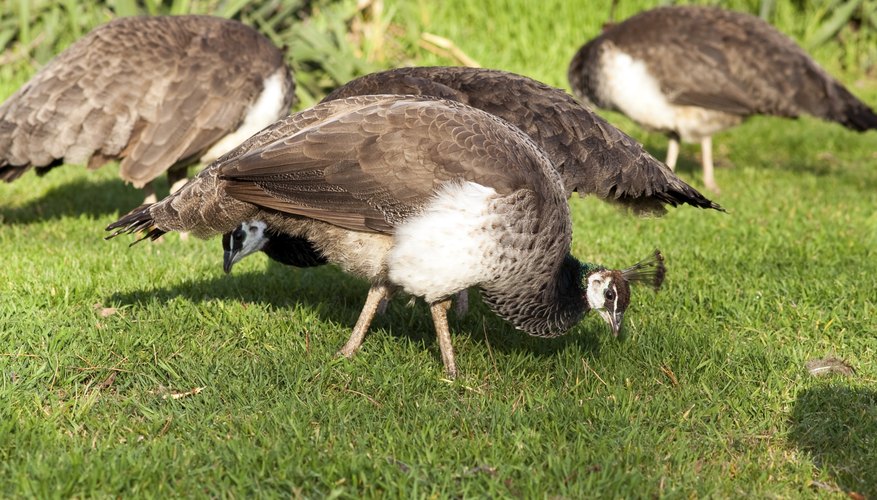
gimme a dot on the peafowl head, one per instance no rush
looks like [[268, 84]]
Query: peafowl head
[[247, 238], [608, 290]]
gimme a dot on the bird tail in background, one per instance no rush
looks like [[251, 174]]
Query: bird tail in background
[[138, 220], [853, 113], [9, 173]]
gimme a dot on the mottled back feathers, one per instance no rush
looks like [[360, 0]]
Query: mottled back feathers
[[722, 60], [592, 156], [373, 167], [363, 164], [154, 91]]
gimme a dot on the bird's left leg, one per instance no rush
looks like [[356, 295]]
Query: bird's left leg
[[383, 304], [376, 294], [149, 190], [706, 151], [439, 312], [672, 151], [177, 178]]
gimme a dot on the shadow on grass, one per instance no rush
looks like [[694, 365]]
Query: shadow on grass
[[837, 426], [337, 297], [96, 198]]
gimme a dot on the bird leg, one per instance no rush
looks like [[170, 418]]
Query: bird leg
[[672, 152], [439, 312], [376, 294], [461, 305], [178, 184], [149, 190], [384, 303], [176, 178], [706, 151]]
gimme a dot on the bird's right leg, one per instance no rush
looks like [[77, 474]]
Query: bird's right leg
[[376, 294], [149, 190], [439, 312], [706, 151], [672, 151], [177, 178]]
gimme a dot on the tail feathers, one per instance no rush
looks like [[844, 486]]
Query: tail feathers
[[138, 220], [859, 117], [645, 186], [681, 192], [849, 111], [9, 172]]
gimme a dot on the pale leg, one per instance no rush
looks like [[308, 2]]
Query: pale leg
[[178, 184], [176, 178], [706, 151], [439, 312], [376, 294], [672, 152], [382, 306], [149, 191]]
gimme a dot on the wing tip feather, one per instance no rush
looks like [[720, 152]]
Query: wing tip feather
[[139, 220]]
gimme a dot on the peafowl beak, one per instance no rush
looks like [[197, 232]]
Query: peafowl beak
[[228, 260], [615, 320], [229, 253]]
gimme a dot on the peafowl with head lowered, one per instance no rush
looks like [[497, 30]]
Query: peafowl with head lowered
[[423, 195], [692, 71]]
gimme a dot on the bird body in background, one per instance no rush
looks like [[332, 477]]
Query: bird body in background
[[693, 71], [157, 93], [419, 194], [591, 156]]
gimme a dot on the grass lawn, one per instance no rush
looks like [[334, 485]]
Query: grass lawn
[[146, 371]]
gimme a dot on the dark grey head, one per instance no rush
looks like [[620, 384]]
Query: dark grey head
[[247, 238], [608, 290]]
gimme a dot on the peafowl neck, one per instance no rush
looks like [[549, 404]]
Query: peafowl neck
[[546, 306]]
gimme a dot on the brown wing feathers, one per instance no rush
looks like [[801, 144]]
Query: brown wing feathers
[[359, 183], [96, 101], [371, 168], [732, 62], [139, 220], [592, 156]]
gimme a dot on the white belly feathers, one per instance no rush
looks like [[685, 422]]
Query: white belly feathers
[[627, 84], [267, 109], [446, 248]]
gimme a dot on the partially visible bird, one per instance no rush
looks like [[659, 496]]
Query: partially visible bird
[[693, 71], [592, 156], [158, 93], [254, 236], [419, 194]]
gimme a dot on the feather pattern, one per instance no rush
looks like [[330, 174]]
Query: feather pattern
[[421, 194], [347, 173], [727, 62], [591, 156], [94, 102]]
